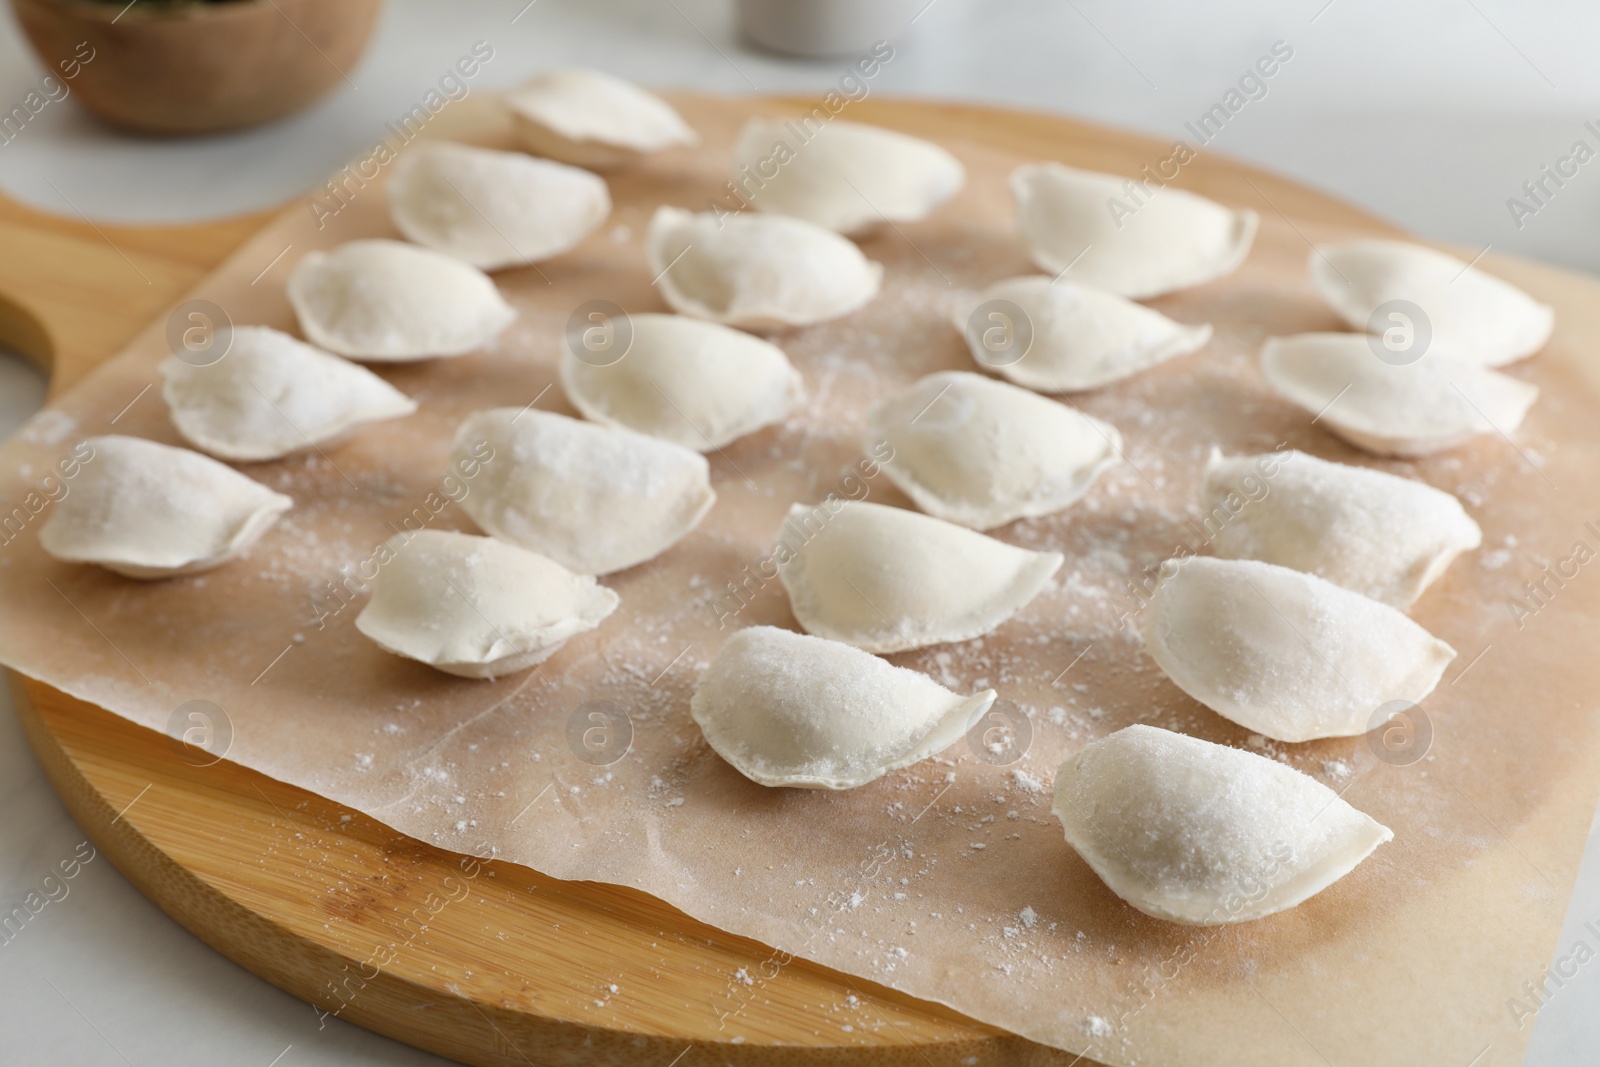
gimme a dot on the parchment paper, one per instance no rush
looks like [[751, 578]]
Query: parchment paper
[[948, 880]]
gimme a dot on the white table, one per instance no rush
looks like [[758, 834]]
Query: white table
[[1433, 114]]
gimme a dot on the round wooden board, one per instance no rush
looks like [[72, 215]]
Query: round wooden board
[[490, 963]]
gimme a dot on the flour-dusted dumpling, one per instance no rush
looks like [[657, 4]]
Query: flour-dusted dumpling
[[845, 176], [1413, 409], [974, 451], [593, 498], [1202, 834], [476, 607], [1469, 314], [694, 383], [388, 301], [1287, 654], [757, 271], [1068, 337], [493, 209], [592, 119], [272, 395], [886, 579], [147, 510], [790, 710], [1383, 536], [1134, 245]]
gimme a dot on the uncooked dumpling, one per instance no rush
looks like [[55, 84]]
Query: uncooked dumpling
[[1413, 409], [1470, 314], [592, 119], [790, 710], [1069, 337], [886, 579], [474, 606], [147, 510], [845, 176], [1134, 246], [1287, 654], [1380, 535], [1203, 834], [757, 271], [272, 395], [974, 451], [694, 383], [593, 498], [493, 209], [388, 301]]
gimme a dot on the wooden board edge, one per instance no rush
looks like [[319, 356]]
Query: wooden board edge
[[477, 1030]]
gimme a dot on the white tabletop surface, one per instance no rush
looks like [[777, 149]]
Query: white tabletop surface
[[1431, 113]]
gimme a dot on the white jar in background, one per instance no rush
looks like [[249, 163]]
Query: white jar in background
[[823, 28]]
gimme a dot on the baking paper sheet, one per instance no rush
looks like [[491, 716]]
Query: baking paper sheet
[[948, 880]]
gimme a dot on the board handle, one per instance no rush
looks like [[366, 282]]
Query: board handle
[[74, 292]]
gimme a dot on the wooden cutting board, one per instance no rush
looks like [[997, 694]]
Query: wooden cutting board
[[300, 890]]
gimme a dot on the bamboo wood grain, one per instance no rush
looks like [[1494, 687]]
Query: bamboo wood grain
[[483, 962]]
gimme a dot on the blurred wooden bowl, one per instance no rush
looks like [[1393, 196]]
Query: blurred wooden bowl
[[186, 68]]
